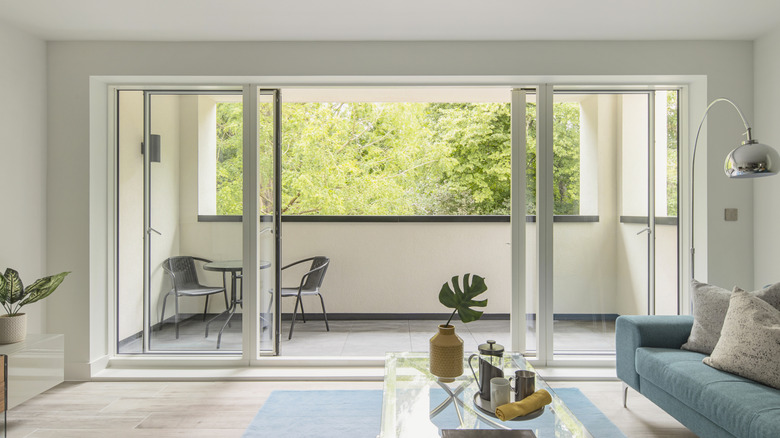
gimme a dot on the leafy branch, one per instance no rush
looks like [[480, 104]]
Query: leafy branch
[[14, 296], [463, 299]]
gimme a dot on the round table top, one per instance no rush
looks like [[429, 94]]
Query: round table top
[[231, 265]]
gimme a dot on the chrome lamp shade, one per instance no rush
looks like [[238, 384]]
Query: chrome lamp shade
[[752, 160]]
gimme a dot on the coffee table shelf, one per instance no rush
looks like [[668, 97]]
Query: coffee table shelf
[[415, 404]]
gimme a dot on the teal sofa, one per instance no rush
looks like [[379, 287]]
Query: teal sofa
[[709, 402]]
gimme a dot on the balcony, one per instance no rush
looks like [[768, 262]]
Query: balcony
[[381, 289]]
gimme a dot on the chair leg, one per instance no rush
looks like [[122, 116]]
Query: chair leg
[[206, 308], [327, 327], [295, 316], [227, 304], [162, 316], [176, 314], [240, 279], [303, 313]]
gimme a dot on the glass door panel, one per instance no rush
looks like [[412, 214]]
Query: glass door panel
[[268, 218], [179, 239], [130, 222], [531, 235], [195, 289], [600, 224], [666, 202]]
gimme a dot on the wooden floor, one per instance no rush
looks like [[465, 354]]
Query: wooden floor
[[224, 409]]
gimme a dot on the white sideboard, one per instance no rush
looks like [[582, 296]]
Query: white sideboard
[[34, 365]]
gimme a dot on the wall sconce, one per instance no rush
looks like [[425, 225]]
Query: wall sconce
[[154, 148]]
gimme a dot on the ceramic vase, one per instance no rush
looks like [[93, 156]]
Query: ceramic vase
[[13, 328], [446, 354]]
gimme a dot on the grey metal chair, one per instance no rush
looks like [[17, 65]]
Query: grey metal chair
[[184, 281], [310, 284]]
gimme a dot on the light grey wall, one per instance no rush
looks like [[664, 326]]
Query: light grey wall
[[23, 158], [767, 130], [75, 133]]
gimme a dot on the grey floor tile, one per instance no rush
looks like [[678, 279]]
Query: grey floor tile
[[373, 337]]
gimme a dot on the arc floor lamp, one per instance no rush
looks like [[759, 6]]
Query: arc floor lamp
[[751, 159]]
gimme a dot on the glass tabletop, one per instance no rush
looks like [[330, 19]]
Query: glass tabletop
[[416, 404]]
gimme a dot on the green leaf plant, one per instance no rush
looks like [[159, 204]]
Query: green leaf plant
[[14, 296], [462, 300]]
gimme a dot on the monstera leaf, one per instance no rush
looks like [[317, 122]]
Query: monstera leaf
[[462, 300], [13, 294]]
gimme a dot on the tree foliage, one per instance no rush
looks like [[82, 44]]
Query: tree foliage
[[671, 156], [394, 158], [230, 176]]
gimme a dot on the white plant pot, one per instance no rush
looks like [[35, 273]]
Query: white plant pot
[[13, 328]]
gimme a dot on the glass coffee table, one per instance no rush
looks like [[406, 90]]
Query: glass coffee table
[[415, 404]]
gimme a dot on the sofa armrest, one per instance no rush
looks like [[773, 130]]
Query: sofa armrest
[[634, 331]]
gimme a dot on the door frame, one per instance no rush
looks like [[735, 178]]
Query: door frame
[[103, 162]]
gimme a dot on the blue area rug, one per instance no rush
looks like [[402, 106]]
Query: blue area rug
[[357, 413]]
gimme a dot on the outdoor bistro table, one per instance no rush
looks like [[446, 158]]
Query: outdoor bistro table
[[234, 267]]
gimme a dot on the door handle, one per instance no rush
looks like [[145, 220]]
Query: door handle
[[150, 229], [648, 230]]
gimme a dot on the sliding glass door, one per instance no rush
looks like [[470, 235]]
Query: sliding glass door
[[593, 213], [187, 166], [607, 215]]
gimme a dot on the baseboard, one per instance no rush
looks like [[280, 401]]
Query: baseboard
[[138, 335], [388, 316], [437, 316]]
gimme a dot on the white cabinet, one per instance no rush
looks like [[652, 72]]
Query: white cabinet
[[34, 365]]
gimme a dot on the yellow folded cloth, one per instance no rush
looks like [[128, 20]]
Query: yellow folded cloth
[[525, 406]]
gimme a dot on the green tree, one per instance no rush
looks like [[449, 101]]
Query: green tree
[[671, 156], [566, 158], [393, 158], [354, 158], [476, 179], [230, 176]]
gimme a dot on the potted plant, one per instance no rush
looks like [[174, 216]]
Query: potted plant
[[446, 356], [14, 296]]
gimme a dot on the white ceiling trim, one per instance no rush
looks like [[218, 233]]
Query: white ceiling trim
[[398, 20]]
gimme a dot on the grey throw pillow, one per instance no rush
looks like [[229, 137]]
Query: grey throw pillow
[[710, 304], [749, 345]]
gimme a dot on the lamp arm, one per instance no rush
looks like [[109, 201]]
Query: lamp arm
[[748, 133]]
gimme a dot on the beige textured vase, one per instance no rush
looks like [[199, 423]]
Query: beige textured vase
[[13, 328], [446, 354]]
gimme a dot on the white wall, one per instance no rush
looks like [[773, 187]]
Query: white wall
[[165, 197], [767, 130], [76, 68], [23, 152], [400, 268], [585, 254]]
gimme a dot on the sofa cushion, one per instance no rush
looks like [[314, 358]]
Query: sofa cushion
[[749, 344], [739, 405], [710, 304]]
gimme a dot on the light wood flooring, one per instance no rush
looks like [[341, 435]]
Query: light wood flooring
[[224, 409]]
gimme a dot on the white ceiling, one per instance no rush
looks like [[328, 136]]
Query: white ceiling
[[391, 20]]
